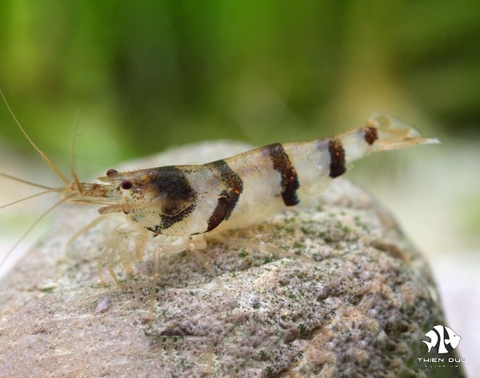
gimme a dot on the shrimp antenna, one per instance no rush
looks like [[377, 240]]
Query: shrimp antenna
[[51, 190], [72, 156], [25, 181], [42, 154], [2, 260]]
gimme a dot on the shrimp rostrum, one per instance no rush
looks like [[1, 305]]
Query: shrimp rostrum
[[179, 207]]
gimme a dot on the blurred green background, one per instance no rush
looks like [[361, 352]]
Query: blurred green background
[[138, 77], [146, 75], [141, 76]]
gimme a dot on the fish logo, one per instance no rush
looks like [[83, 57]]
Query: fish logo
[[443, 339]]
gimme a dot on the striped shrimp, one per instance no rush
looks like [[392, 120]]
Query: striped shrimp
[[178, 208]]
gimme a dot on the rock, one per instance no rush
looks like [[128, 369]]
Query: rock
[[350, 297]]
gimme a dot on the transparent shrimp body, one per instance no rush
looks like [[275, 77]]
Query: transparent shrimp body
[[175, 208]]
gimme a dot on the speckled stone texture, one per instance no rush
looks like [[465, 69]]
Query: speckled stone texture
[[350, 297]]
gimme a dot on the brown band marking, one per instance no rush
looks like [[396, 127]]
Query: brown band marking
[[180, 198], [228, 197], [337, 157], [371, 134], [289, 182]]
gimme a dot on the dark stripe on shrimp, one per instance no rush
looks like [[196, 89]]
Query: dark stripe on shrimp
[[371, 134], [179, 198], [167, 221], [228, 197], [337, 157], [289, 182]]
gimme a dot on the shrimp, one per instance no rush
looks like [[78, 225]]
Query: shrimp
[[180, 207]]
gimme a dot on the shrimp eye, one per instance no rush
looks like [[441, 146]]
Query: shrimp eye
[[126, 184], [112, 172]]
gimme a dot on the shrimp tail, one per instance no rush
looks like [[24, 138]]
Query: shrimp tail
[[393, 134]]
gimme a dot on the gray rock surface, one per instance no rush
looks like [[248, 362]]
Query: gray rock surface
[[350, 297]]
